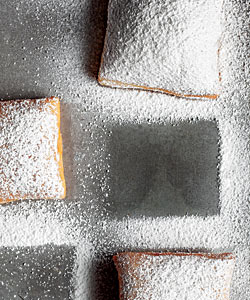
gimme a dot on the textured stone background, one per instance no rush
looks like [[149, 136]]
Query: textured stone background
[[63, 249]]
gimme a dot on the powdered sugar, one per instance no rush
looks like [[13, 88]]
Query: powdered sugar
[[29, 139], [163, 45], [158, 277], [63, 59]]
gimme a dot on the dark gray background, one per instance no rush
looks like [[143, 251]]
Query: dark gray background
[[53, 48]]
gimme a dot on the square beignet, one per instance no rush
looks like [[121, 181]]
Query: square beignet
[[174, 276], [31, 163], [169, 46]]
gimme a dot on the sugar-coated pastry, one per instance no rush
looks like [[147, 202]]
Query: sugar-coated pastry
[[169, 46], [174, 276], [31, 163]]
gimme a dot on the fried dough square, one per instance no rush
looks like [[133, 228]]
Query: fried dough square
[[31, 162], [167, 46], [174, 276]]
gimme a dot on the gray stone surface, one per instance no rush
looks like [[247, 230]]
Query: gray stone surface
[[36, 273], [162, 170], [53, 47]]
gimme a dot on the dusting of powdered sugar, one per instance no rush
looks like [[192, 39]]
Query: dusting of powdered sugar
[[29, 134], [158, 277], [53, 47], [169, 45]]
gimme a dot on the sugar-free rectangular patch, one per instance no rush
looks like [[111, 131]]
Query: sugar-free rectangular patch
[[164, 169]]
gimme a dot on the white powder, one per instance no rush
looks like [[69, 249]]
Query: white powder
[[29, 155], [145, 276], [63, 59], [163, 45]]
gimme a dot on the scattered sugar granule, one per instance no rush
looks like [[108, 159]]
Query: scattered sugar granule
[[31, 164], [166, 46], [174, 276]]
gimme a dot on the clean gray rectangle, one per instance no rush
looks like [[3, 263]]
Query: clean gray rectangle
[[43, 272], [162, 170]]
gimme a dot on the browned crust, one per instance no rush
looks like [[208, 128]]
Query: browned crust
[[119, 276], [221, 256], [121, 84]]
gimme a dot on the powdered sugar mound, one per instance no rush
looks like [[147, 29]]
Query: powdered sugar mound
[[29, 156], [168, 45], [158, 277]]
